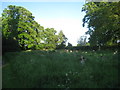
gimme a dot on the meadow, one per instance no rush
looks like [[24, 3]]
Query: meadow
[[61, 69]]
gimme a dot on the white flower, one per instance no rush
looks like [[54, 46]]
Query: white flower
[[66, 50], [93, 50], [76, 50], [115, 52], [85, 52], [66, 74], [70, 50]]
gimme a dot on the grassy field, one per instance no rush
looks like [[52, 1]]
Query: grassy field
[[61, 69]]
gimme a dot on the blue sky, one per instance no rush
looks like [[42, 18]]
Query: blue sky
[[65, 16]]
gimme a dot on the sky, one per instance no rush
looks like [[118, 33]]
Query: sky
[[65, 16]]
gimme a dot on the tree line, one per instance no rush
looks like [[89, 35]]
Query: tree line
[[21, 32]]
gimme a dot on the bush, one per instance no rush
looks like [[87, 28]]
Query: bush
[[9, 45], [84, 48]]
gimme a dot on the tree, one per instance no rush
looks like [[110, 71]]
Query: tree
[[49, 38], [69, 44], [19, 24], [87, 44], [20, 28], [62, 39], [103, 19], [82, 41]]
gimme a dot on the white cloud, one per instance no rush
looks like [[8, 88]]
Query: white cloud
[[72, 28]]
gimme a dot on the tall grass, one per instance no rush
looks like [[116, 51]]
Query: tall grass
[[59, 69]]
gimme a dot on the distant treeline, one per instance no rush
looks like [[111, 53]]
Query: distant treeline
[[113, 47]]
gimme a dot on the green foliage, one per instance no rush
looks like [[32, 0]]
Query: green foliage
[[69, 44], [103, 19], [60, 69], [87, 44], [19, 25], [82, 41], [9, 45], [96, 48], [61, 40], [50, 38]]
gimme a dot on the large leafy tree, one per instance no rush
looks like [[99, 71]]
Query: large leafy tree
[[50, 40], [19, 24], [103, 20], [62, 39]]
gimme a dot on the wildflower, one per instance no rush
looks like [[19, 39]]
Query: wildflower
[[70, 50], [115, 52], [66, 74], [85, 52], [66, 50], [93, 50], [101, 55], [76, 50]]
